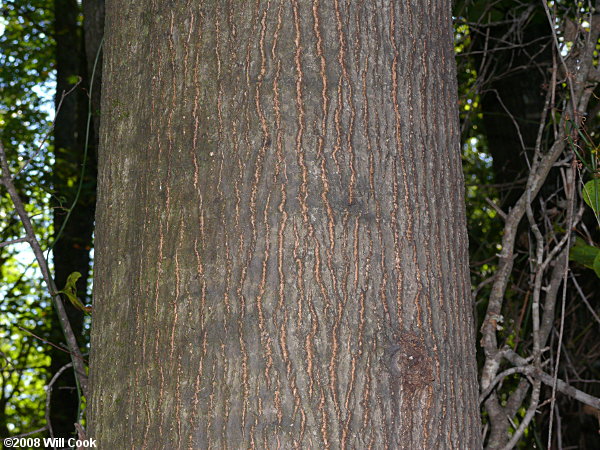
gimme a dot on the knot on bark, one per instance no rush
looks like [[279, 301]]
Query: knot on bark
[[410, 362]]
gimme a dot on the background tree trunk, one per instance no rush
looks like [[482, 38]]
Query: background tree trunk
[[513, 100], [71, 251], [281, 242], [93, 31]]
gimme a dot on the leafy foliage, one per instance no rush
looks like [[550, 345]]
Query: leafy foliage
[[26, 65], [586, 255]]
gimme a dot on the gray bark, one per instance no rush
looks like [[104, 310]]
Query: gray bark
[[281, 245]]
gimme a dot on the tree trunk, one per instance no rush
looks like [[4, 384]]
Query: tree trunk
[[281, 242], [71, 251], [513, 100], [93, 31]]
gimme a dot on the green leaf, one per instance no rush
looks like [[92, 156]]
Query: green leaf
[[70, 291], [586, 255], [73, 79], [591, 194], [597, 264]]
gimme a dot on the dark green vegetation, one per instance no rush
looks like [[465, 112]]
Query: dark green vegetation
[[43, 44], [532, 113], [26, 68], [511, 80]]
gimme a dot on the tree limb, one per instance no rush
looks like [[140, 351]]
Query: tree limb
[[76, 356]]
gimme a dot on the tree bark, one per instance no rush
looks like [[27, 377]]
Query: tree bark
[[281, 242]]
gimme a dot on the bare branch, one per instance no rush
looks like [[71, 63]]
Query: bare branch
[[49, 396], [41, 145], [14, 241], [533, 404], [29, 433], [547, 379]]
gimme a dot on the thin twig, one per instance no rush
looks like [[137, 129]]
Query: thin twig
[[518, 369], [64, 94], [496, 208], [548, 380], [533, 404], [583, 297], [49, 396], [570, 192], [14, 241], [62, 349], [29, 433]]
